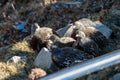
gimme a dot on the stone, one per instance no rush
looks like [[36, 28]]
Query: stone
[[103, 29], [65, 31], [116, 12], [17, 59], [71, 4], [116, 76], [37, 73], [43, 59]]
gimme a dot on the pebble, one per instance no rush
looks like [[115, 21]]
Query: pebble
[[17, 59]]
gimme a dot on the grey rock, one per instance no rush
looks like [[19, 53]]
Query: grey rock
[[103, 29], [116, 12], [116, 76], [65, 31], [69, 4], [72, 3], [43, 59]]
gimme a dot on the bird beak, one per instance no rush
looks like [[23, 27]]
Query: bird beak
[[50, 42], [76, 35]]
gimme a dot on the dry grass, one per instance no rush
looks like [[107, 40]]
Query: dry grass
[[16, 70], [8, 70]]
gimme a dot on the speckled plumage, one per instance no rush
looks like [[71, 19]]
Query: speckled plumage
[[67, 56], [86, 44], [41, 38], [93, 34], [63, 41]]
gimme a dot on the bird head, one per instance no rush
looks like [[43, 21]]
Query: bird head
[[80, 34]]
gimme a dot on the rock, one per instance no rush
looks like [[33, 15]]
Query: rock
[[116, 76], [72, 3], [103, 29], [17, 59], [66, 31], [69, 4], [37, 73], [63, 5], [43, 59], [116, 12]]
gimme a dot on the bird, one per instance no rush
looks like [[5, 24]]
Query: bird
[[62, 41], [97, 36], [86, 44], [40, 38], [36, 43], [43, 33], [93, 34], [68, 56]]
